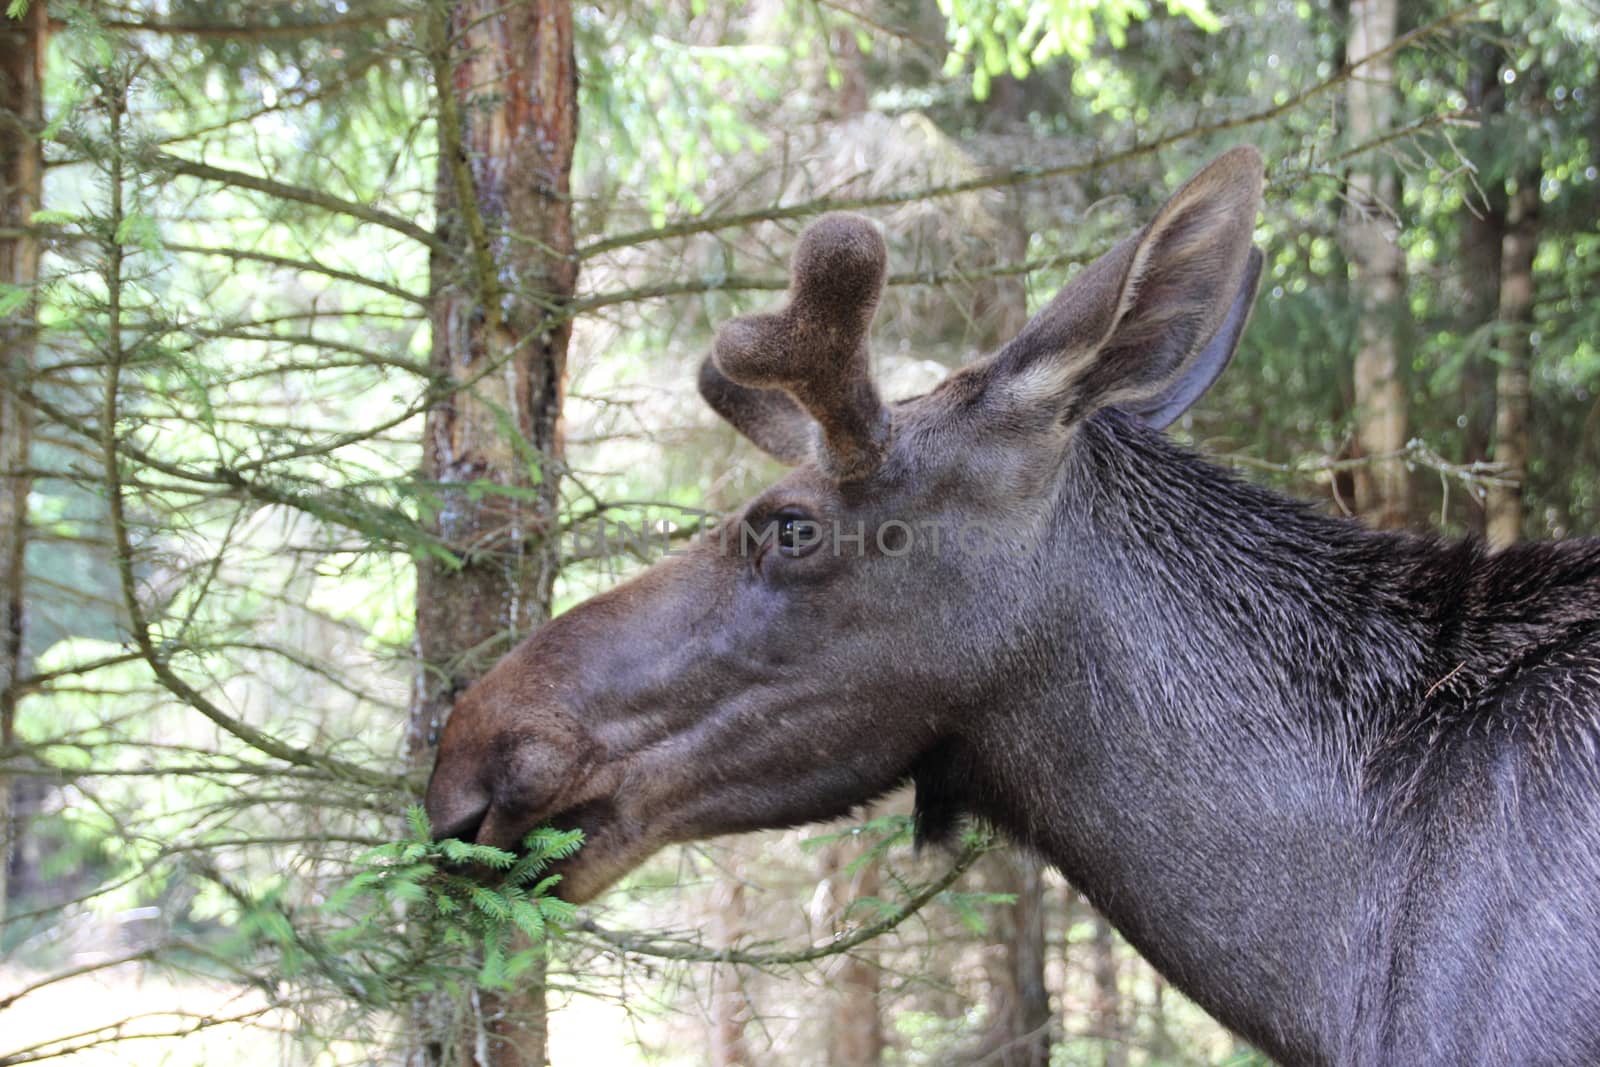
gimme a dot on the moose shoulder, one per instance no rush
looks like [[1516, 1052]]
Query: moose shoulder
[[1341, 787]]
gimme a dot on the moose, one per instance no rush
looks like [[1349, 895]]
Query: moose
[[1340, 786]]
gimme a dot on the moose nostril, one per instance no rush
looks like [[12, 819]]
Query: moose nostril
[[462, 829]]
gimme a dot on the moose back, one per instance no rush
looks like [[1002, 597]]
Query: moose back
[[1341, 787]]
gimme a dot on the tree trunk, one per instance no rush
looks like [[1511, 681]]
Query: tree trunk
[[855, 1031], [1108, 997], [1162, 1045], [1512, 399], [1027, 952], [1368, 233], [506, 80], [1018, 999], [1482, 232], [730, 1004], [22, 53], [847, 67]]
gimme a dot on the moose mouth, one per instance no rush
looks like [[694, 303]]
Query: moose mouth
[[592, 868], [588, 818], [591, 818]]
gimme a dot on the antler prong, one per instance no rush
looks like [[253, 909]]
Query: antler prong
[[815, 348]]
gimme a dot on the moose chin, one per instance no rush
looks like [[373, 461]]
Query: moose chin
[[1340, 786]]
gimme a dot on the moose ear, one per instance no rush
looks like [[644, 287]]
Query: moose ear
[[1151, 324], [1201, 372], [770, 418]]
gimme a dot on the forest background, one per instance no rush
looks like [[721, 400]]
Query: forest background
[[330, 333]]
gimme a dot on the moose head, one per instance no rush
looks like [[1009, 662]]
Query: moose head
[[1338, 785], [861, 622]]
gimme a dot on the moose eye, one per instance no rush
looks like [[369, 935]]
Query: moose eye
[[797, 532]]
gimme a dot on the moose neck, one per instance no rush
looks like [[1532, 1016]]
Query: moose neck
[[1221, 661]]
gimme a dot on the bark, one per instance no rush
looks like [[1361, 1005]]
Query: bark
[[1482, 232], [1162, 1045], [507, 100], [1027, 951], [855, 1031], [730, 1004], [1019, 1016], [848, 67], [1512, 398], [1368, 233], [1108, 997], [22, 54]]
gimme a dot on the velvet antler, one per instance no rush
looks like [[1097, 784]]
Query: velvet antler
[[815, 350]]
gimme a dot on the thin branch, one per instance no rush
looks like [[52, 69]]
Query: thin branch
[[363, 356], [1416, 453], [318, 506], [700, 954], [1024, 175], [112, 1033], [300, 194], [256, 31], [745, 283], [75, 972], [309, 266]]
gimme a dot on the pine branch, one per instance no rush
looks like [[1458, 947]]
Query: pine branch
[[157, 657], [234, 480]]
